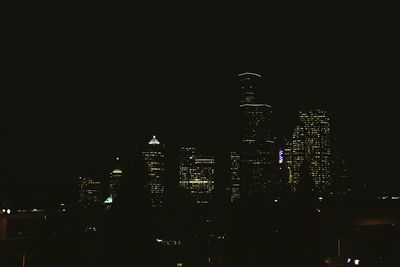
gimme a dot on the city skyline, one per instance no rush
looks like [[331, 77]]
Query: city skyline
[[73, 106], [245, 106], [203, 142]]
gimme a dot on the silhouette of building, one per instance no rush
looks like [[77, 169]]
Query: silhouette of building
[[90, 193], [256, 142], [341, 170], [311, 144], [196, 175], [235, 178], [155, 160]]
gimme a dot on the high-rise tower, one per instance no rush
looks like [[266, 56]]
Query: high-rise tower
[[256, 142], [196, 175], [115, 182], [155, 160], [311, 146], [90, 194]]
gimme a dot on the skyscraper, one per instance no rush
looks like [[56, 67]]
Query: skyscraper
[[90, 194], [196, 175], [115, 182], [256, 143], [155, 160], [311, 146]]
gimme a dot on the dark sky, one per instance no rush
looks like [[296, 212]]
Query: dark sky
[[81, 85]]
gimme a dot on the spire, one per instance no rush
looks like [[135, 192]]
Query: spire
[[154, 141]]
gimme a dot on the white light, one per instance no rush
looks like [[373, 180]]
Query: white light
[[8, 211], [255, 105], [348, 260], [249, 73], [320, 198], [4, 211], [158, 240], [276, 200], [356, 262]]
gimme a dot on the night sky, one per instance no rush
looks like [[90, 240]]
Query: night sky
[[82, 85]]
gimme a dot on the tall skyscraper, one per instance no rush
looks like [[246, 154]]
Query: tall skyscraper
[[115, 183], [155, 160], [90, 194], [257, 145], [196, 175], [235, 178], [311, 146]]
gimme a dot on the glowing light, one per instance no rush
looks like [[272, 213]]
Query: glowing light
[[8, 211], [154, 141], [356, 262], [255, 105], [275, 200], [158, 240], [109, 200], [280, 156], [249, 73], [4, 211], [320, 198], [318, 210], [117, 171], [348, 260]]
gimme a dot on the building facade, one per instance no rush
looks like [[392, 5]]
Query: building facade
[[256, 142], [155, 160], [90, 193], [115, 184], [311, 146], [196, 175]]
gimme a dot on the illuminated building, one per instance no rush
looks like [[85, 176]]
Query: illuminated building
[[256, 144], [248, 82], [235, 178], [115, 183], [196, 175], [311, 145], [155, 160], [288, 160], [90, 193]]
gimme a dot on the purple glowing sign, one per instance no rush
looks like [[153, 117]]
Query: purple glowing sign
[[280, 156]]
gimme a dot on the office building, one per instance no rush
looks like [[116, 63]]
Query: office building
[[115, 183], [311, 146], [196, 175], [90, 193], [256, 142], [154, 156]]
